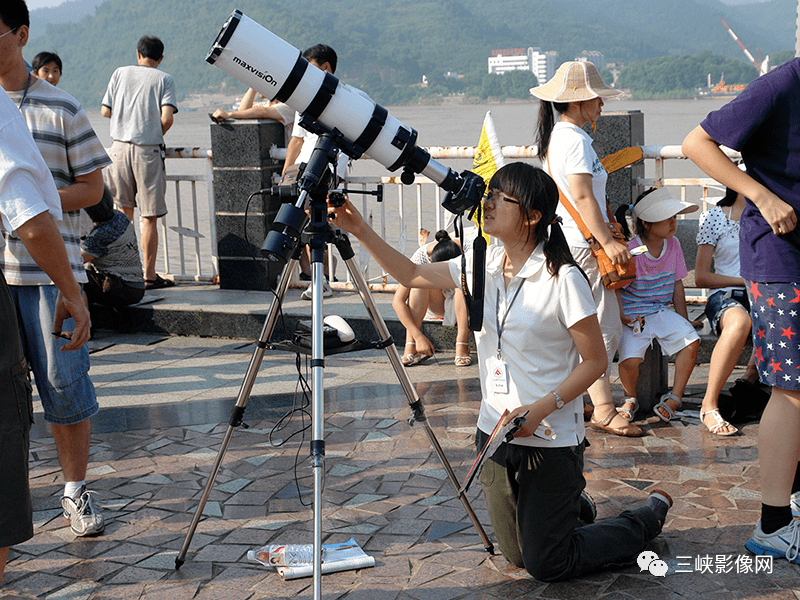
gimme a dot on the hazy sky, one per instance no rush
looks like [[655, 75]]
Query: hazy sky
[[34, 4]]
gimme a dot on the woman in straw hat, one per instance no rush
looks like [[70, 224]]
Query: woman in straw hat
[[576, 94]]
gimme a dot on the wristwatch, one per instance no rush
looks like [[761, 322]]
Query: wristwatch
[[559, 399]]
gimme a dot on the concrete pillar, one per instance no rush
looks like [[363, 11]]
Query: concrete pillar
[[242, 165], [615, 131]]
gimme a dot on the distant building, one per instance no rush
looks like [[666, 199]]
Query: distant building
[[542, 64], [593, 56]]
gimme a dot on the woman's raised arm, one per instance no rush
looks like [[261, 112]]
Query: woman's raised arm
[[432, 276]]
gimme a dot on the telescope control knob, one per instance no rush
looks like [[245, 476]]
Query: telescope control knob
[[407, 177]]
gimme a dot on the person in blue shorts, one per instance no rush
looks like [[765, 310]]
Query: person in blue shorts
[[28, 204], [763, 123], [75, 157]]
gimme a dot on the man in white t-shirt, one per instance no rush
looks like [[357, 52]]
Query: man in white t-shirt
[[28, 202], [140, 101]]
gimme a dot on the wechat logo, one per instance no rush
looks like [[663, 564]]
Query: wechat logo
[[649, 561]]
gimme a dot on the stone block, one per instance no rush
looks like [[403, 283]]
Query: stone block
[[246, 143], [232, 188], [615, 131], [245, 274], [242, 165]]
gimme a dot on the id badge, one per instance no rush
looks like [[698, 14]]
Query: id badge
[[498, 377]]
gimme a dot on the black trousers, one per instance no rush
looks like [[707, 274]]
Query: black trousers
[[533, 496], [16, 417]]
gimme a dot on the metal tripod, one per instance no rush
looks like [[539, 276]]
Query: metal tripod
[[320, 235]]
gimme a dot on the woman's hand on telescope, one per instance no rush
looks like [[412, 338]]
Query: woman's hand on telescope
[[347, 217]]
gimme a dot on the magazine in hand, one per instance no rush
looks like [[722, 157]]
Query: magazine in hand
[[501, 433]]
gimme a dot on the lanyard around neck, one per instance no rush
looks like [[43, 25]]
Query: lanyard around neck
[[501, 324]]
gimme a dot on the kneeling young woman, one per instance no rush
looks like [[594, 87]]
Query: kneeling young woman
[[540, 347]]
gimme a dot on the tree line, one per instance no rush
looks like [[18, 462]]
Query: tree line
[[387, 46]]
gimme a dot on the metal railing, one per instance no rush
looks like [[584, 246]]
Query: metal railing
[[417, 205], [205, 258]]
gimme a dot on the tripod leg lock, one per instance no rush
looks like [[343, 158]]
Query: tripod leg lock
[[417, 413], [383, 344], [237, 414], [317, 447]]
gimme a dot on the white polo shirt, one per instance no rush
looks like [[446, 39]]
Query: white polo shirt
[[536, 344]]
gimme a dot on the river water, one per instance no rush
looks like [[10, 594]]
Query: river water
[[666, 122]]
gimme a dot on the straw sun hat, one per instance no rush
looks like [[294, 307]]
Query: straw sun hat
[[574, 82]]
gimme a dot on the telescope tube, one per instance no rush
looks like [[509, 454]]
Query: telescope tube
[[276, 69]]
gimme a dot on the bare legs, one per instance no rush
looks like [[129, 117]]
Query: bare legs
[[72, 445], [148, 227], [735, 328], [684, 365], [411, 305], [779, 446], [149, 230], [462, 322]]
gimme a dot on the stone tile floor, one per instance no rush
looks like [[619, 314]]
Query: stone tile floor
[[384, 486]]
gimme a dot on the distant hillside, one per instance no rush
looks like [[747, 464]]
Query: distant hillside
[[388, 43], [68, 12]]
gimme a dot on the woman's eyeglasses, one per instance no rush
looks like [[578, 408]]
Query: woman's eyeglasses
[[498, 196]]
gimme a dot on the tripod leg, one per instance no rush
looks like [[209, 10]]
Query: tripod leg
[[418, 410], [317, 409], [237, 413]]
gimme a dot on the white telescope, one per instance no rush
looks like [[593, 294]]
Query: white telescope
[[274, 68]]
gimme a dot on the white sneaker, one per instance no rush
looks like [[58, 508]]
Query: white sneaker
[[794, 503], [327, 292], [82, 514], [784, 543]]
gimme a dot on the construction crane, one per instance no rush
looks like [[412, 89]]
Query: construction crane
[[763, 67]]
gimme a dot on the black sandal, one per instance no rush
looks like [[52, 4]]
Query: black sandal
[[158, 283]]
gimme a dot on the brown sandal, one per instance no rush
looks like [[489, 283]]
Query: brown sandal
[[630, 430]]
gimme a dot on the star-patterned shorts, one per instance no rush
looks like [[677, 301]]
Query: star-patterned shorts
[[775, 310]]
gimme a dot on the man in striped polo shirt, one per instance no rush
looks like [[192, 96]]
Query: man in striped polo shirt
[[75, 157]]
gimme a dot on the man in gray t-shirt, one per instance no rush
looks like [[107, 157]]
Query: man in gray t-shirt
[[140, 101]]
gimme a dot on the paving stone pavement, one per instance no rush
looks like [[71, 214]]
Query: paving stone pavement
[[165, 406]]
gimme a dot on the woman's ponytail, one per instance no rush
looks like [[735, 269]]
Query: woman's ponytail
[[544, 128], [556, 250]]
